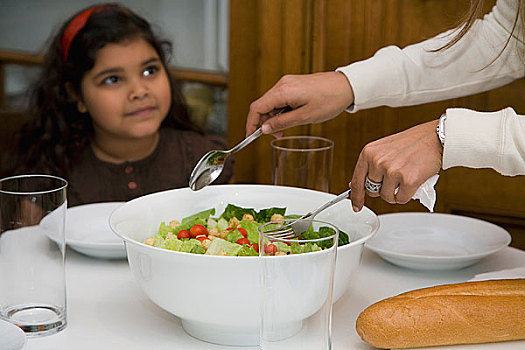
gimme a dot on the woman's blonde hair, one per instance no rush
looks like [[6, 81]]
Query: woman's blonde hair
[[475, 12]]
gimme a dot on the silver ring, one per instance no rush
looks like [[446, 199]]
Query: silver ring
[[371, 186]]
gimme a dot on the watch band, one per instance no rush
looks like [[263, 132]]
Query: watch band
[[440, 129]]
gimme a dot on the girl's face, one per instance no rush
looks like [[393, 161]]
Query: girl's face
[[127, 92]]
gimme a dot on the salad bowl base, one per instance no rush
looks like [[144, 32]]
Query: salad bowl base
[[225, 335], [232, 336]]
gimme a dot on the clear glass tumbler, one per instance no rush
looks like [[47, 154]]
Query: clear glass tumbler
[[297, 280], [32, 253], [302, 161]]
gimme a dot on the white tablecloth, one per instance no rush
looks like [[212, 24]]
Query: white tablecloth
[[107, 310]]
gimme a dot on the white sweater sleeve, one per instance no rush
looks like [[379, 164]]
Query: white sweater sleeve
[[414, 75], [485, 140]]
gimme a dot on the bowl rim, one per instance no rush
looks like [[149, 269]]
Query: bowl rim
[[375, 226]]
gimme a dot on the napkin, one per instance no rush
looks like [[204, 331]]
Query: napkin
[[518, 272], [426, 194]]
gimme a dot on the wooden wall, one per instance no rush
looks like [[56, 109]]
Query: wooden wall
[[270, 38]]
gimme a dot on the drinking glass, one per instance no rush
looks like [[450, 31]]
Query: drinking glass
[[297, 287], [32, 247], [302, 161]]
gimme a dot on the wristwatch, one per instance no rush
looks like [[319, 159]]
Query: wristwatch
[[440, 129]]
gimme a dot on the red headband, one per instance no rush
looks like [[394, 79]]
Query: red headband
[[75, 26]]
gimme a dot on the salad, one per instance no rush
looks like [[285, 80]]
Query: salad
[[233, 233]]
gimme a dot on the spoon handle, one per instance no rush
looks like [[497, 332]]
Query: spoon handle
[[256, 133], [246, 141]]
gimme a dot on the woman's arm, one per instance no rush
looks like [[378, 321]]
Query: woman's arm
[[414, 75], [407, 159]]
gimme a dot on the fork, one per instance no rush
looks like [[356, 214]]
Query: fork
[[302, 224]]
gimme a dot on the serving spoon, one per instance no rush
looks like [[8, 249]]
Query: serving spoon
[[210, 166]]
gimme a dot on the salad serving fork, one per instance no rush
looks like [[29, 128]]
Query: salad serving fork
[[302, 224]]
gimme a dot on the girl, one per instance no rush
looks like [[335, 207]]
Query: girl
[[106, 114]]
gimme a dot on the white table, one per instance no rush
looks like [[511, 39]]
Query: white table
[[107, 310]]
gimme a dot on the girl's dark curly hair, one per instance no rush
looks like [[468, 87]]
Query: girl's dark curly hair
[[57, 131]]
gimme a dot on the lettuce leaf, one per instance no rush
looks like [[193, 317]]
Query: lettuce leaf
[[233, 236], [265, 215], [232, 211], [246, 251], [204, 215], [251, 229]]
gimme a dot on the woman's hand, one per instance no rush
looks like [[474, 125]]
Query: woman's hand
[[404, 160], [314, 98]]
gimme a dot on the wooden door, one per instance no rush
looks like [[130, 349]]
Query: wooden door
[[270, 38]]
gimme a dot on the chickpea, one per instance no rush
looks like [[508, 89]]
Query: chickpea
[[213, 232], [206, 243], [174, 223], [248, 217], [223, 234], [234, 222], [150, 241], [276, 217]]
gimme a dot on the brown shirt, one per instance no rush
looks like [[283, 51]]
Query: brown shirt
[[168, 167]]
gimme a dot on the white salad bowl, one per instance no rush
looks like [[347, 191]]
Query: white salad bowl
[[217, 297]]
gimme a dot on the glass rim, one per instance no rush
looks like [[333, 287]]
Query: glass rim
[[291, 240], [15, 177], [291, 149]]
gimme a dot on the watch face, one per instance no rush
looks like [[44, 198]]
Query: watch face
[[440, 129]]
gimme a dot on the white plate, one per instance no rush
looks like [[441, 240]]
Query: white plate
[[432, 241], [88, 231], [11, 337]]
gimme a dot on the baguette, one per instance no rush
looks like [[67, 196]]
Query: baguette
[[461, 313]]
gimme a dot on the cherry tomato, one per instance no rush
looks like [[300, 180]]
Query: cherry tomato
[[183, 234], [198, 230], [243, 232], [243, 241], [270, 248], [255, 247], [202, 238]]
